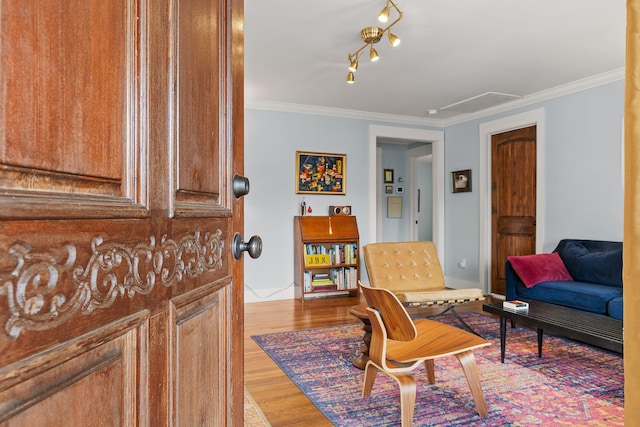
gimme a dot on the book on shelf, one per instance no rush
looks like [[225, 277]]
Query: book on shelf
[[325, 287], [307, 281], [515, 305]]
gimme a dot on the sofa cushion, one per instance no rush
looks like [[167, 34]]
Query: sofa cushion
[[583, 296], [614, 308], [593, 264], [537, 268]]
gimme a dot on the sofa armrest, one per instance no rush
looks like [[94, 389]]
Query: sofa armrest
[[511, 282]]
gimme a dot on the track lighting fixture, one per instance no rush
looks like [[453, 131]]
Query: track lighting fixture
[[372, 35]]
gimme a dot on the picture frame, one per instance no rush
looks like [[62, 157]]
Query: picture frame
[[388, 176], [400, 190], [461, 181], [321, 173], [388, 189], [394, 207]]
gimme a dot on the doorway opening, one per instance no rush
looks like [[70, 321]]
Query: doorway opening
[[436, 140]]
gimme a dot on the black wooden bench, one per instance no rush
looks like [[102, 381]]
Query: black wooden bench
[[600, 331]]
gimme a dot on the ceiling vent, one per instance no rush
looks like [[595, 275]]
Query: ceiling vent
[[473, 104]]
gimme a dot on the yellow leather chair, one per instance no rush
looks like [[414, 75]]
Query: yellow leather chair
[[412, 271]]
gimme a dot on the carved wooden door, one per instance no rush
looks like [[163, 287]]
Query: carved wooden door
[[513, 200], [121, 127]]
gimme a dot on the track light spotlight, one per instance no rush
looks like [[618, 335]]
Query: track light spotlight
[[383, 16], [350, 78], [393, 39], [373, 55], [353, 66]]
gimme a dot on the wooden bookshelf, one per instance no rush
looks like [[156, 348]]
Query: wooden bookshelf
[[327, 255]]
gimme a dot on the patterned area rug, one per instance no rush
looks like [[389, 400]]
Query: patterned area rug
[[572, 384]]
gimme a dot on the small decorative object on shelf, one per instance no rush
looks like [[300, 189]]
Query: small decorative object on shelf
[[515, 305], [326, 255]]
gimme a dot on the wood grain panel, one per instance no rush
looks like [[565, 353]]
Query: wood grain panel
[[60, 381], [201, 343], [67, 141], [517, 197], [202, 92]]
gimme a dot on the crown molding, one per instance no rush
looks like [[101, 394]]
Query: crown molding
[[339, 112], [566, 89], [545, 95]]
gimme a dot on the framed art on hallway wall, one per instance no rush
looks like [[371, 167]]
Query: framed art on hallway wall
[[320, 173], [461, 181]]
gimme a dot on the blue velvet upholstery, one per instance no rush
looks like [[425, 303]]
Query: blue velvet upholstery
[[595, 266], [593, 261], [614, 308]]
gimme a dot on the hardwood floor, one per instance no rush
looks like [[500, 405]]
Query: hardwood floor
[[280, 400]]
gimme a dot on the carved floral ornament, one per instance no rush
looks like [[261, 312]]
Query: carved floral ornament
[[113, 269]]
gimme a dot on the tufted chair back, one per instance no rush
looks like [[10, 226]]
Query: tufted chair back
[[404, 266]]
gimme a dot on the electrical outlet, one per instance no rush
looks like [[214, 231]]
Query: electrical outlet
[[462, 263]]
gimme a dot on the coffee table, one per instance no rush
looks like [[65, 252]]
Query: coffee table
[[594, 329]]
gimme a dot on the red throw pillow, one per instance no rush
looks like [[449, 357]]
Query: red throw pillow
[[537, 268]]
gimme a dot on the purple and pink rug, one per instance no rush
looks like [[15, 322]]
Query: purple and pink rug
[[572, 384]]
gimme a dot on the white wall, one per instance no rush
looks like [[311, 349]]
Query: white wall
[[584, 194]]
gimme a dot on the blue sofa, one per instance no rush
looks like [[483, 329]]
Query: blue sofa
[[596, 269]]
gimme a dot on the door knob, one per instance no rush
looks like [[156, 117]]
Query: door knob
[[253, 247], [240, 186]]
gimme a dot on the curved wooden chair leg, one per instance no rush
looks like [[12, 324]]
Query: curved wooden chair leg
[[407, 386], [468, 363], [430, 369], [370, 373]]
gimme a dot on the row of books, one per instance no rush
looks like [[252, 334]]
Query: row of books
[[339, 253], [335, 279]]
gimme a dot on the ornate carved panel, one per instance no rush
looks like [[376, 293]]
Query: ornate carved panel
[[32, 289]]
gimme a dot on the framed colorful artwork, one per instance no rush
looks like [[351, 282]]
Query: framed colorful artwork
[[321, 173]]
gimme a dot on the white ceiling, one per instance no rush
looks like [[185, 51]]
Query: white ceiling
[[452, 50]]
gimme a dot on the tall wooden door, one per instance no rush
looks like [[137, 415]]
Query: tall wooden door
[[121, 127], [513, 199]]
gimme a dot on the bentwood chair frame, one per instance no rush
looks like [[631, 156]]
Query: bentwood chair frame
[[399, 345]]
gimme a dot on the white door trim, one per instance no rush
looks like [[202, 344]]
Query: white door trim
[[529, 118], [436, 138], [412, 191]]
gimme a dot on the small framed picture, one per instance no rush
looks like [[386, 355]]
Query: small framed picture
[[394, 207], [461, 181], [388, 176], [388, 189], [400, 190]]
